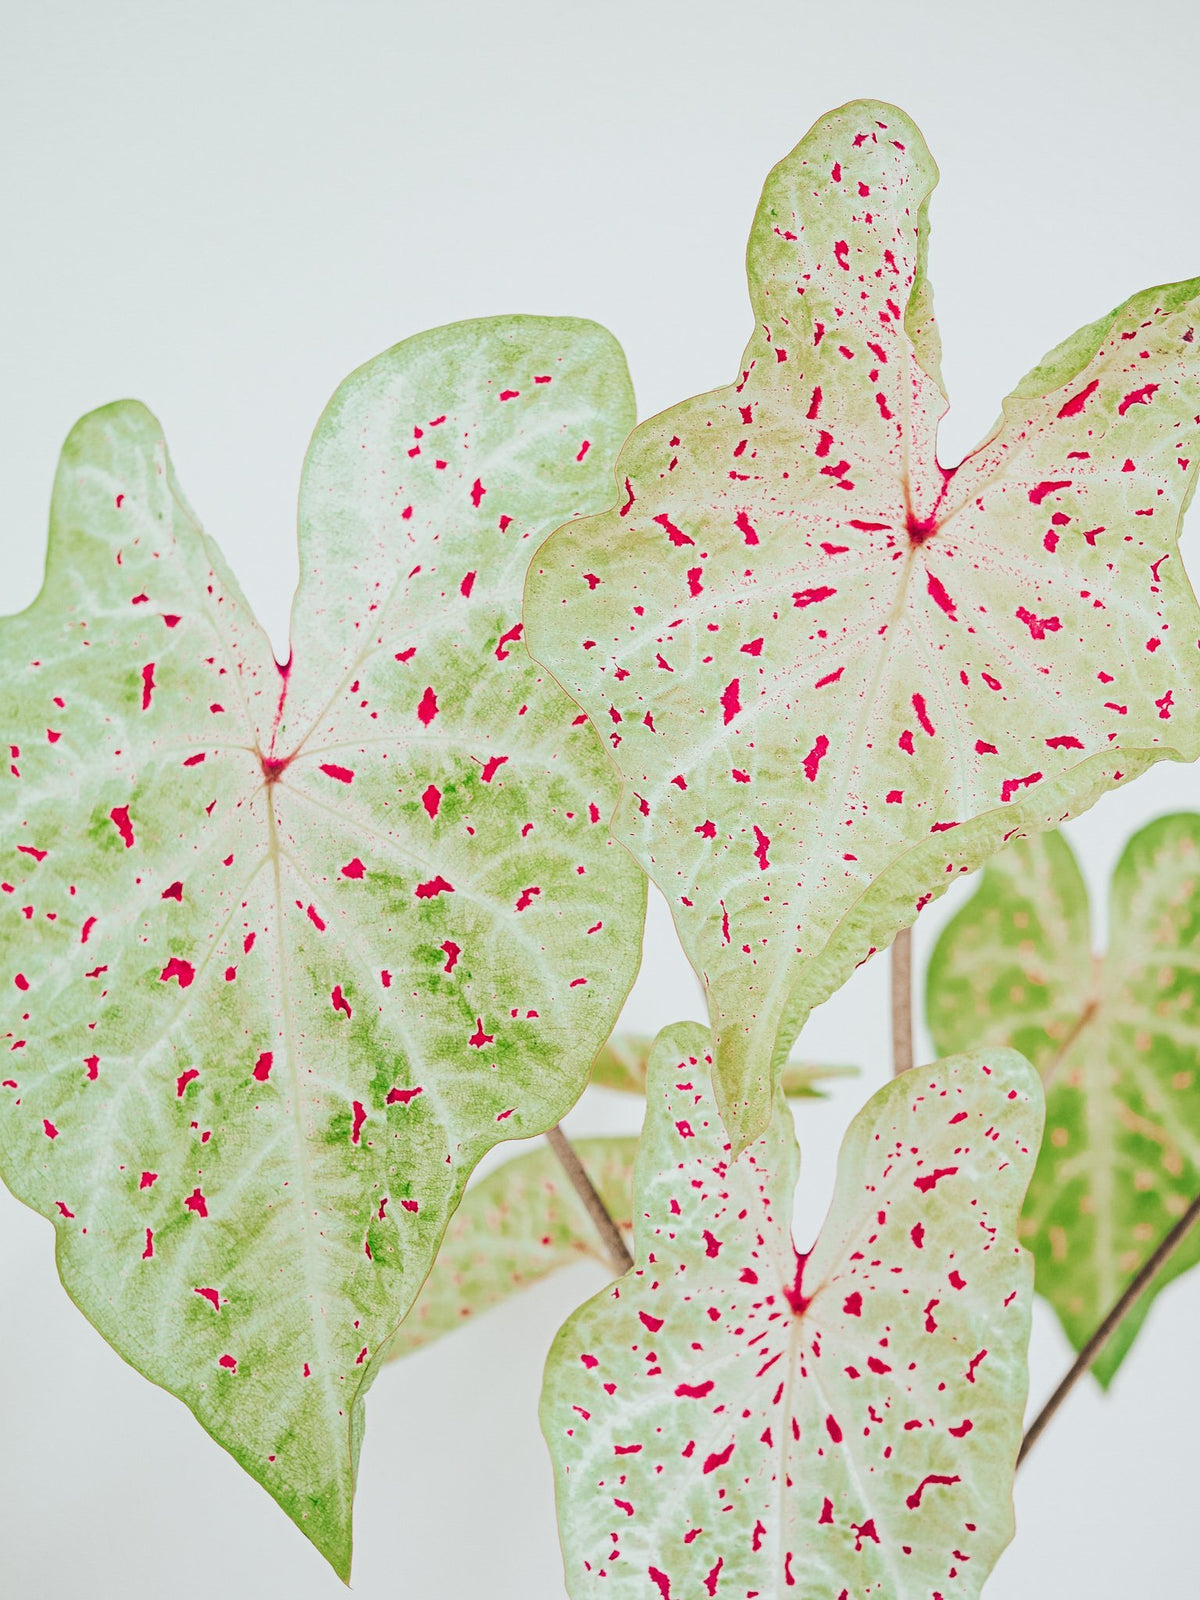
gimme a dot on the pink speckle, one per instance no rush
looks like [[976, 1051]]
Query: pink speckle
[[1038, 627], [491, 766], [49, 1129], [854, 1304], [812, 597], [913, 1500], [184, 1079], [148, 1180], [147, 684], [1039, 491], [353, 869], [525, 898], [510, 636], [938, 595], [119, 815], [931, 1179], [730, 700], [432, 887], [148, 1252], [262, 1067], [746, 528], [338, 1000], [452, 952], [92, 1067], [182, 971], [197, 1203], [228, 1362], [815, 756], [360, 1116], [918, 703], [833, 1429], [173, 891], [341, 774], [478, 1039], [1137, 397], [1073, 406], [427, 709], [761, 846], [211, 1295], [1010, 785], [401, 1097]]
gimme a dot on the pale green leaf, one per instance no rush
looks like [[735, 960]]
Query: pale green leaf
[[1117, 1040], [623, 1062], [514, 1227], [834, 674], [731, 1418], [287, 949]]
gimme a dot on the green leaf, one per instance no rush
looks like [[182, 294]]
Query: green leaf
[[286, 949], [514, 1227], [834, 674], [731, 1418], [623, 1062], [1117, 1041]]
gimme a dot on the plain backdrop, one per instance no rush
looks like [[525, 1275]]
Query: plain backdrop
[[221, 209]]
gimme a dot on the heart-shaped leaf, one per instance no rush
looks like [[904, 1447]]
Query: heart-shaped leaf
[[834, 673], [514, 1227], [1117, 1041], [623, 1062], [730, 1418], [287, 949]]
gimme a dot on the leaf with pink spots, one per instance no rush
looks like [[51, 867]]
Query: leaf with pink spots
[[730, 1418], [298, 944], [834, 674], [1115, 1039], [514, 1227]]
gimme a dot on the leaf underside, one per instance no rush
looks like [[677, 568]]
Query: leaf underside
[[287, 949], [731, 1419], [1117, 1041], [513, 1228], [835, 675]]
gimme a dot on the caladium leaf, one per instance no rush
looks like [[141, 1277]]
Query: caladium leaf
[[514, 1227], [835, 674], [732, 1419], [1117, 1040], [287, 949], [623, 1062]]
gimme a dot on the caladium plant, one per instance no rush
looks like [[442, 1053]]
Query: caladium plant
[[834, 673], [287, 948], [732, 1418], [1115, 1039]]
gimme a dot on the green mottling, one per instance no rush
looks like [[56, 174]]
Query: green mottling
[[1117, 1040], [275, 1209], [900, 666]]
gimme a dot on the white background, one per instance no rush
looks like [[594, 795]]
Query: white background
[[223, 208]]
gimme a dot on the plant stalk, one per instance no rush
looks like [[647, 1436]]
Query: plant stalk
[[615, 1247], [902, 1010], [1136, 1286]]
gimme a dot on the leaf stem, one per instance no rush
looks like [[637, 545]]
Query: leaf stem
[[902, 1018], [1137, 1284], [615, 1247]]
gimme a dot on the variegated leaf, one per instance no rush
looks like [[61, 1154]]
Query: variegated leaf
[[1117, 1040], [287, 948], [731, 1418], [518, 1225], [835, 674]]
